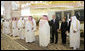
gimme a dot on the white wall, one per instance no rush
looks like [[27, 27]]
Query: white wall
[[25, 12], [2, 10], [50, 13], [15, 13]]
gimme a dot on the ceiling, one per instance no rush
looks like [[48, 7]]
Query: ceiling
[[46, 5], [51, 4]]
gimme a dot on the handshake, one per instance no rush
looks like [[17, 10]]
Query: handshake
[[60, 29]]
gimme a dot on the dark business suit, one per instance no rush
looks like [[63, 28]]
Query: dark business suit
[[69, 26], [64, 28], [54, 26], [50, 30]]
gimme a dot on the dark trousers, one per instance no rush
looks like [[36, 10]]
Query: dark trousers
[[54, 34], [63, 35]]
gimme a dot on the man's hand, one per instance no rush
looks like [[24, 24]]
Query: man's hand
[[57, 30], [32, 28], [74, 31], [18, 28], [23, 27], [66, 32], [27, 30]]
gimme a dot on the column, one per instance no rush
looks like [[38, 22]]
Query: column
[[73, 13], [8, 9], [8, 12], [62, 13]]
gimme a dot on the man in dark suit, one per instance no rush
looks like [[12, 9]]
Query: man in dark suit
[[54, 23]]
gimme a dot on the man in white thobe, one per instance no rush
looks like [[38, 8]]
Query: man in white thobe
[[20, 26], [3, 26], [75, 33], [29, 30], [14, 28], [34, 24], [44, 32], [23, 29], [7, 27]]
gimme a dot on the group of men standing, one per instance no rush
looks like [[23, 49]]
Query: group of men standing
[[51, 28], [6, 27], [25, 29], [72, 28]]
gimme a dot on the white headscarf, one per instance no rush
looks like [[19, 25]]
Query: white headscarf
[[74, 21], [74, 18]]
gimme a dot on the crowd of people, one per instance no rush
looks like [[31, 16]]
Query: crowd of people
[[48, 30]]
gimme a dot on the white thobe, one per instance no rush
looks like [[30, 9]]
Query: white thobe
[[44, 33], [1, 26], [75, 37], [7, 28], [4, 27], [20, 26], [34, 25], [29, 35], [14, 28]]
